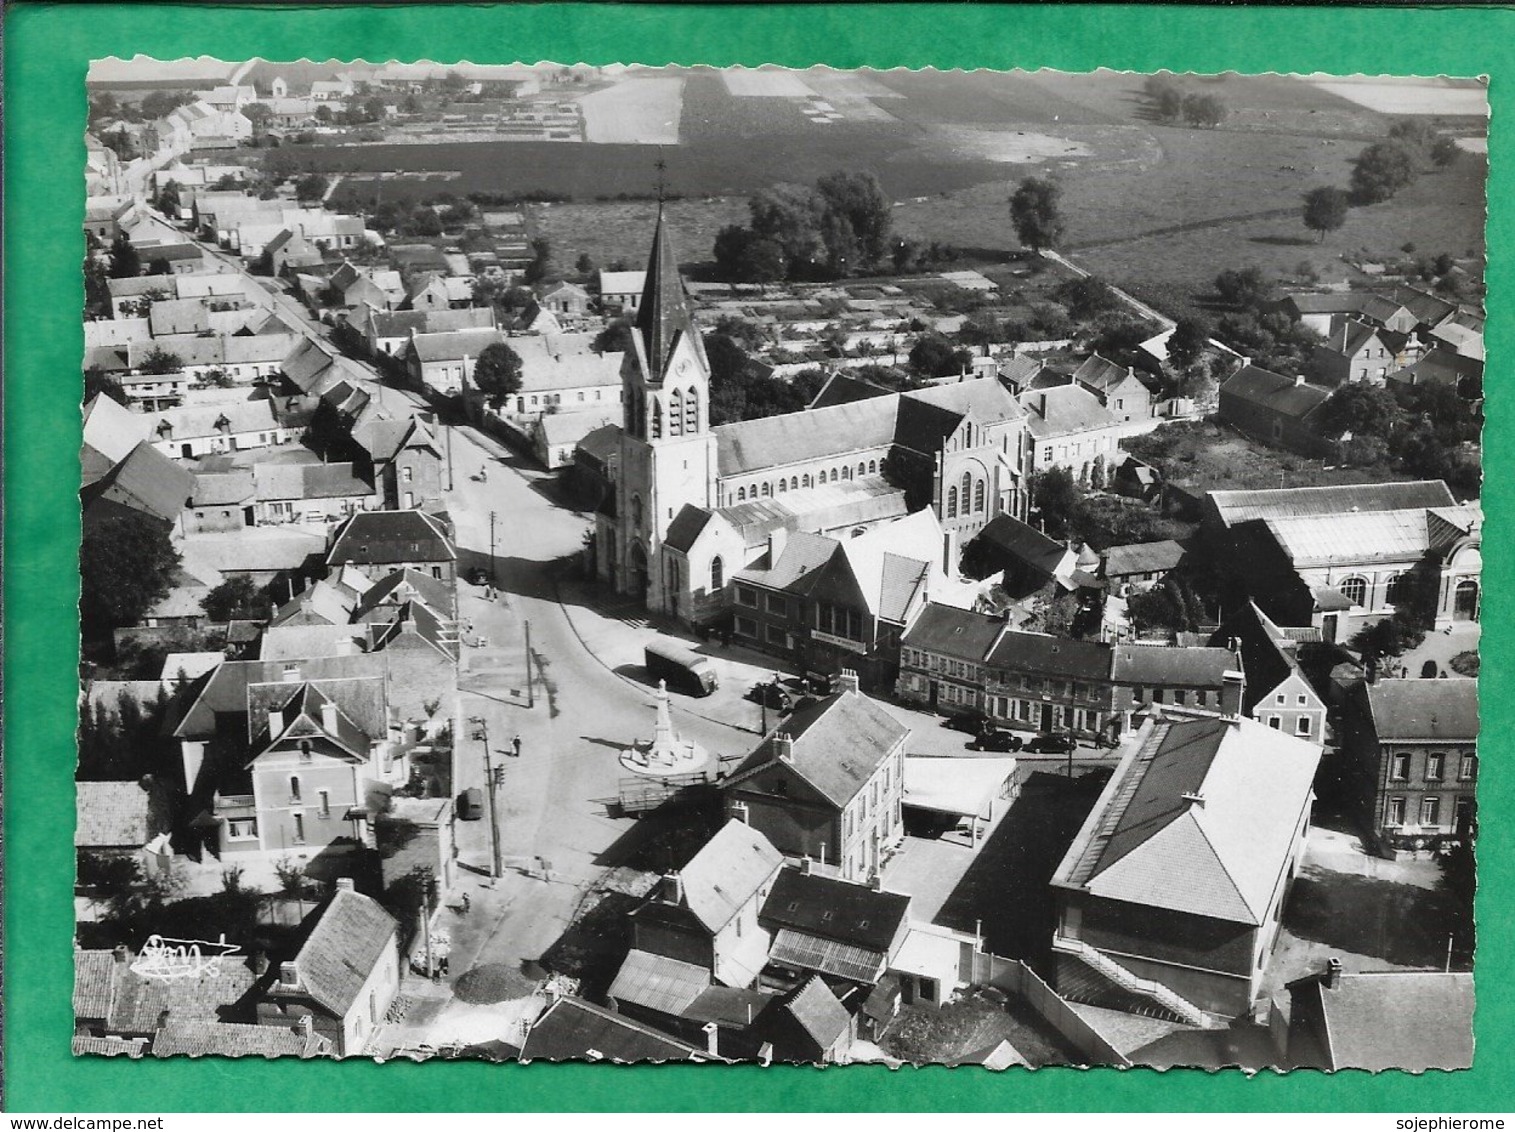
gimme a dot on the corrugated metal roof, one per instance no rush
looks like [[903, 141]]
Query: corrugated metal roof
[[793, 948], [656, 982], [1333, 499]]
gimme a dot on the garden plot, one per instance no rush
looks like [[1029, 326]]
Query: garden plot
[[637, 111], [745, 82]]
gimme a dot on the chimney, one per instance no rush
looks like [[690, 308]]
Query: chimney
[[329, 717], [1194, 798], [305, 1026], [122, 953], [1041, 404], [805, 865], [847, 681], [260, 963], [344, 884], [291, 674], [1232, 683], [783, 746], [712, 1039], [876, 882], [673, 888], [1299, 379], [776, 541], [1333, 972], [739, 812], [288, 976]]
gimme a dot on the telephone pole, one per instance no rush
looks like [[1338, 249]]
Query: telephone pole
[[493, 577], [491, 779], [531, 701], [447, 437]]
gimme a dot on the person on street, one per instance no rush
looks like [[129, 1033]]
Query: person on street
[[516, 746], [467, 903]]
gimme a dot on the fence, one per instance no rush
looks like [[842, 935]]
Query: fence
[[1014, 977]]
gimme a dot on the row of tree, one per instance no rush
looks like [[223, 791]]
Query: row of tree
[[1169, 101], [839, 227], [1379, 172]]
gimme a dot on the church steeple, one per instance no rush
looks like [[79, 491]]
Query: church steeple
[[663, 317]]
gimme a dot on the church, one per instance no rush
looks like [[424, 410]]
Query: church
[[692, 504]]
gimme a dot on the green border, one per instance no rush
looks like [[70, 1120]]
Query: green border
[[47, 50]]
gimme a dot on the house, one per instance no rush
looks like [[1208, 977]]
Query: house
[[566, 301], [621, 291], [1440, 366], [199, 430], [144, 482], [809, 1026], [831, 927], [571, 1029], [1205, 678], [115, 1000], [1070, 428], [834, 603], [111, 431], [1170, 895], [1412, 759], [563, 373], [172, 259], [1026, 558], [351, 286], [401, 459], [555, 437], [704, 915], [1117, 387], [1138, 566], [827, 783], [344, 977], [222, 501], [1275, 409], [105, 217], [309, 493], [442, 363], [1409, 1021], [1340, 557], [1277, 692], [1356, 352], [436, 292], [380, 542], [387, 332], [202, 1038]]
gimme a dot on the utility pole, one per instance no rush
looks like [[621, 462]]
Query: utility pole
[[447, 438], [531, 700], [491, 781], [493, 578]]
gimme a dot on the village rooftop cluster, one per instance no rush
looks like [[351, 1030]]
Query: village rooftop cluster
[[477, 665]]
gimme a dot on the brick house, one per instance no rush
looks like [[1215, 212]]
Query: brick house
[[1275, 409], [381, 542]]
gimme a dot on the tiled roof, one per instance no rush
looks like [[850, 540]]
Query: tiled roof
[[342, 951], [1406, 1020], [115, 814], [191, 421], [1350, 338], [1199, 818], [112, 429], [1142, 558], [841, 387], [727, 872], [225, 691], [686, 527], [1427, 308], [377, 537], [88, 1044], [454, 345], [835, 909], [656, 982], [1051, 656], [214, 489], [199, 1038], [146, 481], [1334, 499], [819, 1013], [1275, 392], [140, 1001], [1439, 366], [1265, 660], [1101, 373], [94, 983], [949, 631], [401, 586], [1064, 411], [1424, 710], [771, 442], [572, 1029], [1024, 543], [838, 742], [1167, 666]]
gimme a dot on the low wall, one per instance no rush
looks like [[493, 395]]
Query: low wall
[[1014, 977]]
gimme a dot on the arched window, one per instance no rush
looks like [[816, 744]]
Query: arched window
[[1355, 590], [794, 483], [978, 496], [767, 491], [833, 475], [638, 413], [967, 491], [872, 467], [741, 494], [692, 411], [294, 788], [1394, 590], [952, 503], [656, 429], [806, 480], [783, 485], [717, 574], [675, 413], [847, 473], [862, 469], [636, 512]]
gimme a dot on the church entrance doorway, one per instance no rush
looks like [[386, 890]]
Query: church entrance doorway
[[638, 572]]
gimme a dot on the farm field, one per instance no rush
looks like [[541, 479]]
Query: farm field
[[613, 231], [1443, 97], [636, 111]]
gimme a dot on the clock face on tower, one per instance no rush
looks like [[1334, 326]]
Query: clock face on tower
[[682, 369]]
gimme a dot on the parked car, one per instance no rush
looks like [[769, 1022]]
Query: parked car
[[478, 576], [471, 804], [973, 722], [683, 669], [1054, 744], [996, 740], [771, 695]]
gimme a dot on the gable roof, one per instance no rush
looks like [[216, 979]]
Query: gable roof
[[1275, 392], [1142, 558], [725, 874], [1200, 818], [377, 537], [1102, 374], [139, 1001], [835, 909], [816, 1009], [356, 682], [658, 982], [204, 1038], [1051, 656], [837, 743], [115, 814], [1265, 659], [1064, 410], [453, 345], [1169, 665], [1350, 337], [1332, 499], [842, 387], [95, 977], [949, 631], [341, 952], [1343, 540], [111, 429], [572, 1029], [789, 438], [1424, 710], [1024, 543], [402, 586], [1406, 1020], [146, 481]]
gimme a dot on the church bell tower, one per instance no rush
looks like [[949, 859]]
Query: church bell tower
[[668, 453]]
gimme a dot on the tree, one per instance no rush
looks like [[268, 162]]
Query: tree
[[935, 356], [1034, 210], [790, 216], [426, 221], [1187, 342], [98, 383], [742, 256], [238, 598], [748, 334], [1204, 110], [1444, 152], [258, 113], [615, 338], [860, 199], [160, 103], [311, 187], [168, 200], [1170, 104], [1362, 410], [1156, 609], [323, 114], [1380, 171], [1055, 498], [497, 372], [126, 566], [158, 360], [584, 265], [1326, 209], [1086, 297], [125, 262], [541, 260], [1243, 289]]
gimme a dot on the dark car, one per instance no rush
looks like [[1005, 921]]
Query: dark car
[[973, 722], [471, 804], [996, 741], [1052, 744], [771, 695], [478, 576]]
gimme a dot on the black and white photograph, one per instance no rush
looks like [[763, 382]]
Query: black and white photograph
[[642, 564]]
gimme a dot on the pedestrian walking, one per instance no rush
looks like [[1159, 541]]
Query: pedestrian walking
[[516, 746], [467, 903]]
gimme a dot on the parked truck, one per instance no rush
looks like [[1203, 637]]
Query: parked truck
[[682, 669]]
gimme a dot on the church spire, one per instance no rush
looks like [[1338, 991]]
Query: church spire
[[664, 313]]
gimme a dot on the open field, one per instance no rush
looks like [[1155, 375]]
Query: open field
[[753, 82], [619, 231], [1447, 98], [637, 111]]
